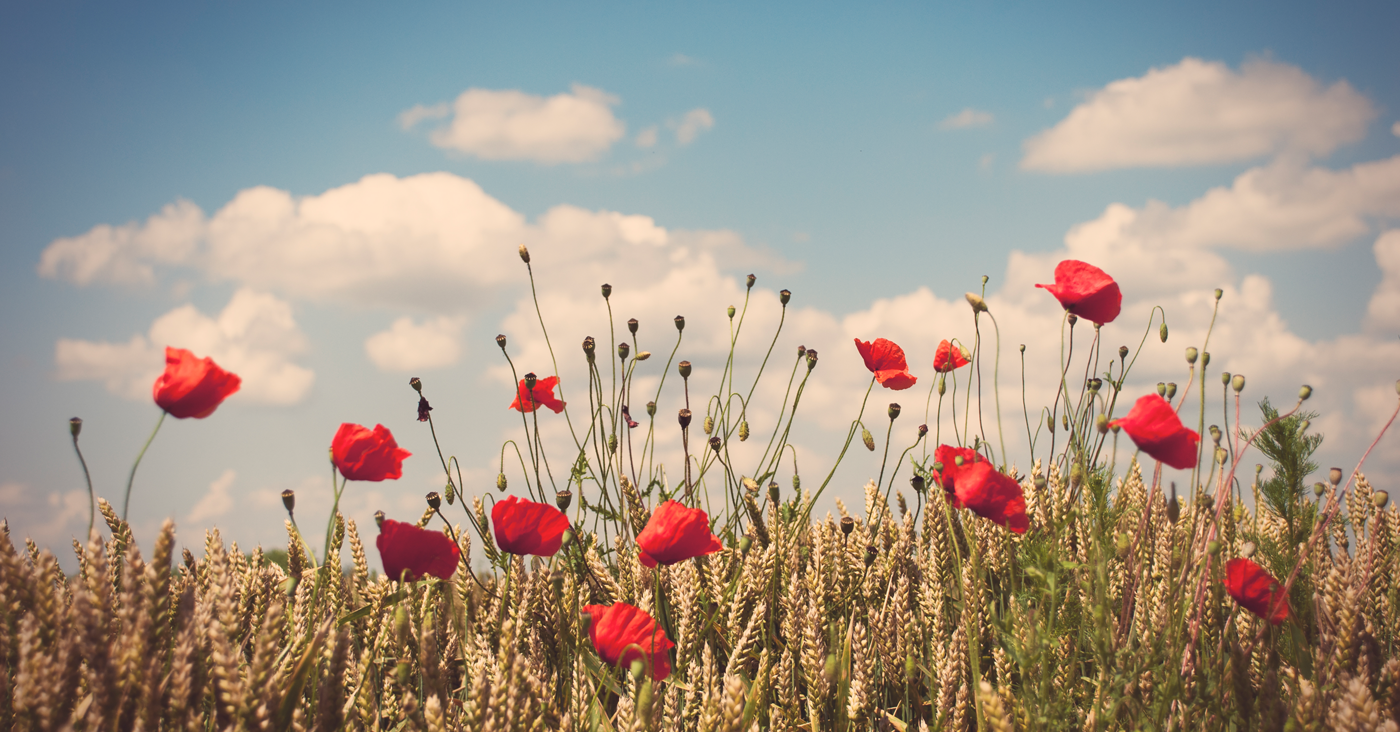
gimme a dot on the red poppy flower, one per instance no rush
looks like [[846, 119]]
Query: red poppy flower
[[622, 634], [947, 456], [886, 361], [993, 496], [674, 534], [1157, 431], [361, 454], [543, 394], [1256, 590], [1086, 291], [413, 553], [527, 527], [947, 358], [192, 387]]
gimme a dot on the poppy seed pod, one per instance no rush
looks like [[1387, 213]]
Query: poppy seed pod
[[1095, 384], [1380, 498], [684, 368], [1225, 378], [651, 409], [1218, 293], [1205, 359], [784, 296], [750, 280], [1023, 348], [773, 494], [501, 341], [868, 439], [434, 500], [811, 359], [750, 484], [524, 254], [1171, 390], [623, 349], [632, 326], [1207, 502], [289, 500], [923, 430], [893, 411], [1064, 420], [801, 351], [379, 518], [978, 304], [75, 425], [589, 348], [848, 525], [1215, 434], [684, 418], [917, 483], [680, 322], [731, 312], [1221, 455], [1335, 475], [1072, 319], [530, 381], [607, 290], [1122, 353], [1161, 388], [563, 499], [1191, 355], [1304, 393], [716, 444], [1237, 383], [417, 384], [1319, 488]]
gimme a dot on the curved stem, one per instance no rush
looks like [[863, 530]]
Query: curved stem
[[132, 478]]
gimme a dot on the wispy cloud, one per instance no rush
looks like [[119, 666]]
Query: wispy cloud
[[967, 118]]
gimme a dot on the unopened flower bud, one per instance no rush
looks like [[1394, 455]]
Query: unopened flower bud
[[680, 322], [1050, 423], [1173, 510], [743, 431], [524, 254], [1122, 353], [530, 381], [1335, 475], [612, 443], [1304, 393], [709, 424], [1191, 355], [1064, 420], [848, 525], [744, 544], [749, 281], [893, 411], [831, 668], [1162, 332], [716, 444], [1237, 383], [501, 482], [797, 483], [1040, 482], [623, 349], [1122, 543], [379, 519], [784, 296], [638, 666], [1023, 348], [731, 312], [684, 418], [1207, 502], [643, 355], [868, 439], [651, 409], [607, 291], [1171, 390], [289, 499], [978, 304], [1380, 498], [1101, 424], [449, 492], [566, 539], [563, 499], [684, 368], [942, 384], [1218, 293], [75, 425], [1247, 549], [417, 384], [434, 500]]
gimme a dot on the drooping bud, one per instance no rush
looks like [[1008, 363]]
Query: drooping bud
[[449, 492], [1237, 383], [784, 296], [731, 312], [501, 341], [643, 355], [651, 409], [1213, 548], [1191, 355], [750, 280], [680, 322], [1335, 475], [612, 444], [1162, 332], [716, 443], [623, 349], [1122, 353], [1101, 424], [563, 499], [848, 525], [524, 254], [417, 384], [607, 291], [743, 431], [868, 439], [1171, 390], [1304, 393], [684, 418], [684, 368], [709, 424], [1050, 423], [978, 304], [289, 500], [75, 425], [501, 482], [893, 411], [434, 500]]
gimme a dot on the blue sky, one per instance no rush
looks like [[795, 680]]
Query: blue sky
[[876, 162]]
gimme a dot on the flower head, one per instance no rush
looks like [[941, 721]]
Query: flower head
[[413, 553], [991, 495], [1157, 431], [674, 534], [423, 409], [1256, 590], [527, 527], [1086, 291], [192, 387], [364, 454], [622, 634], [886, 361], [528, 400], [948, 358], [948, 456]]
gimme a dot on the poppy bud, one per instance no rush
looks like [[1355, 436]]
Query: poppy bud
[[750, 484], [1303, 427], [796, 482], [607, 291], [848, 525], [1171, 390], [289, 499], [638, 666], [684, 368], [612, 443], [524, 254], [743, 431], [1064, 420], [1072, 319], [680, 322], [1161, 389], [622, 350], [870, 554], [1237, 383], [923, 430], [589, 347], [811, 358], [1173, 510], [1225, 378], [1218, 293], [893, 412], [1101, 424], [556, 580], [1040, 482], [651, 409], [750, 280], [434, 500], [501, 482], [75, 425], [942, 384], [565, 539], [1050, 423], [450, 491], [716, 444], [501, 341], [744, 545], [731, 312], [563, 499], [530, 381], [1122, 353], [684, 418], [643, 355], [1215, 434], [709, 424], [784, 296], [1304, 393], [801, 351], [978, 304], [1094, 385], [1380, 498], [868, 439], [1205, 359], [1023, 348], [1213, 548], [773, 491], [1191, 355], [1076, 475], [1221, 455], [1247, 549], [1335, 475], [917, 483], [379, 519]]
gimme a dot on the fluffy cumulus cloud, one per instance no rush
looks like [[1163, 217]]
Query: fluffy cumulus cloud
[[216, 502], [254, 336], [126, 254], [1198, 113], [509, 124], [967, 118], [1383, 312], [409, 346]]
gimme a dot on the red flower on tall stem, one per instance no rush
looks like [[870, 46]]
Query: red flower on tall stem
[[886, 361], [411, 553], [948, 358], [622, 634], [674, 534], [1086, 291], [1157, 431], [192, 387], [363, 454], [953, 460], [1256, 590], [528, 527], [528, 400], [996, 497]]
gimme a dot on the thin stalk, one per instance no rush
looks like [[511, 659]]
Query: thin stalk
[[132, 478]]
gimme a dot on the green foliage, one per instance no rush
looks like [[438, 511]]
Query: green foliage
[[1290, 452]]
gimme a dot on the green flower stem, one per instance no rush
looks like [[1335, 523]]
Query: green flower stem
[[126, 504], [850, 435], [92, 497]]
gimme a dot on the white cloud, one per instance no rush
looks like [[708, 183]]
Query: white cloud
[[254, 336], [691, 124], [126, 254], [647, 137], [1395, 129], [574, 127], [1200, 113], [409, 346], [967, 118], [216, 502], [1383, 312], [50, 518]]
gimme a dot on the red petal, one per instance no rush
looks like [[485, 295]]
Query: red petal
[[190, 386], [412, 552], [1086, 291], [528, 527], [1156, 430]]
